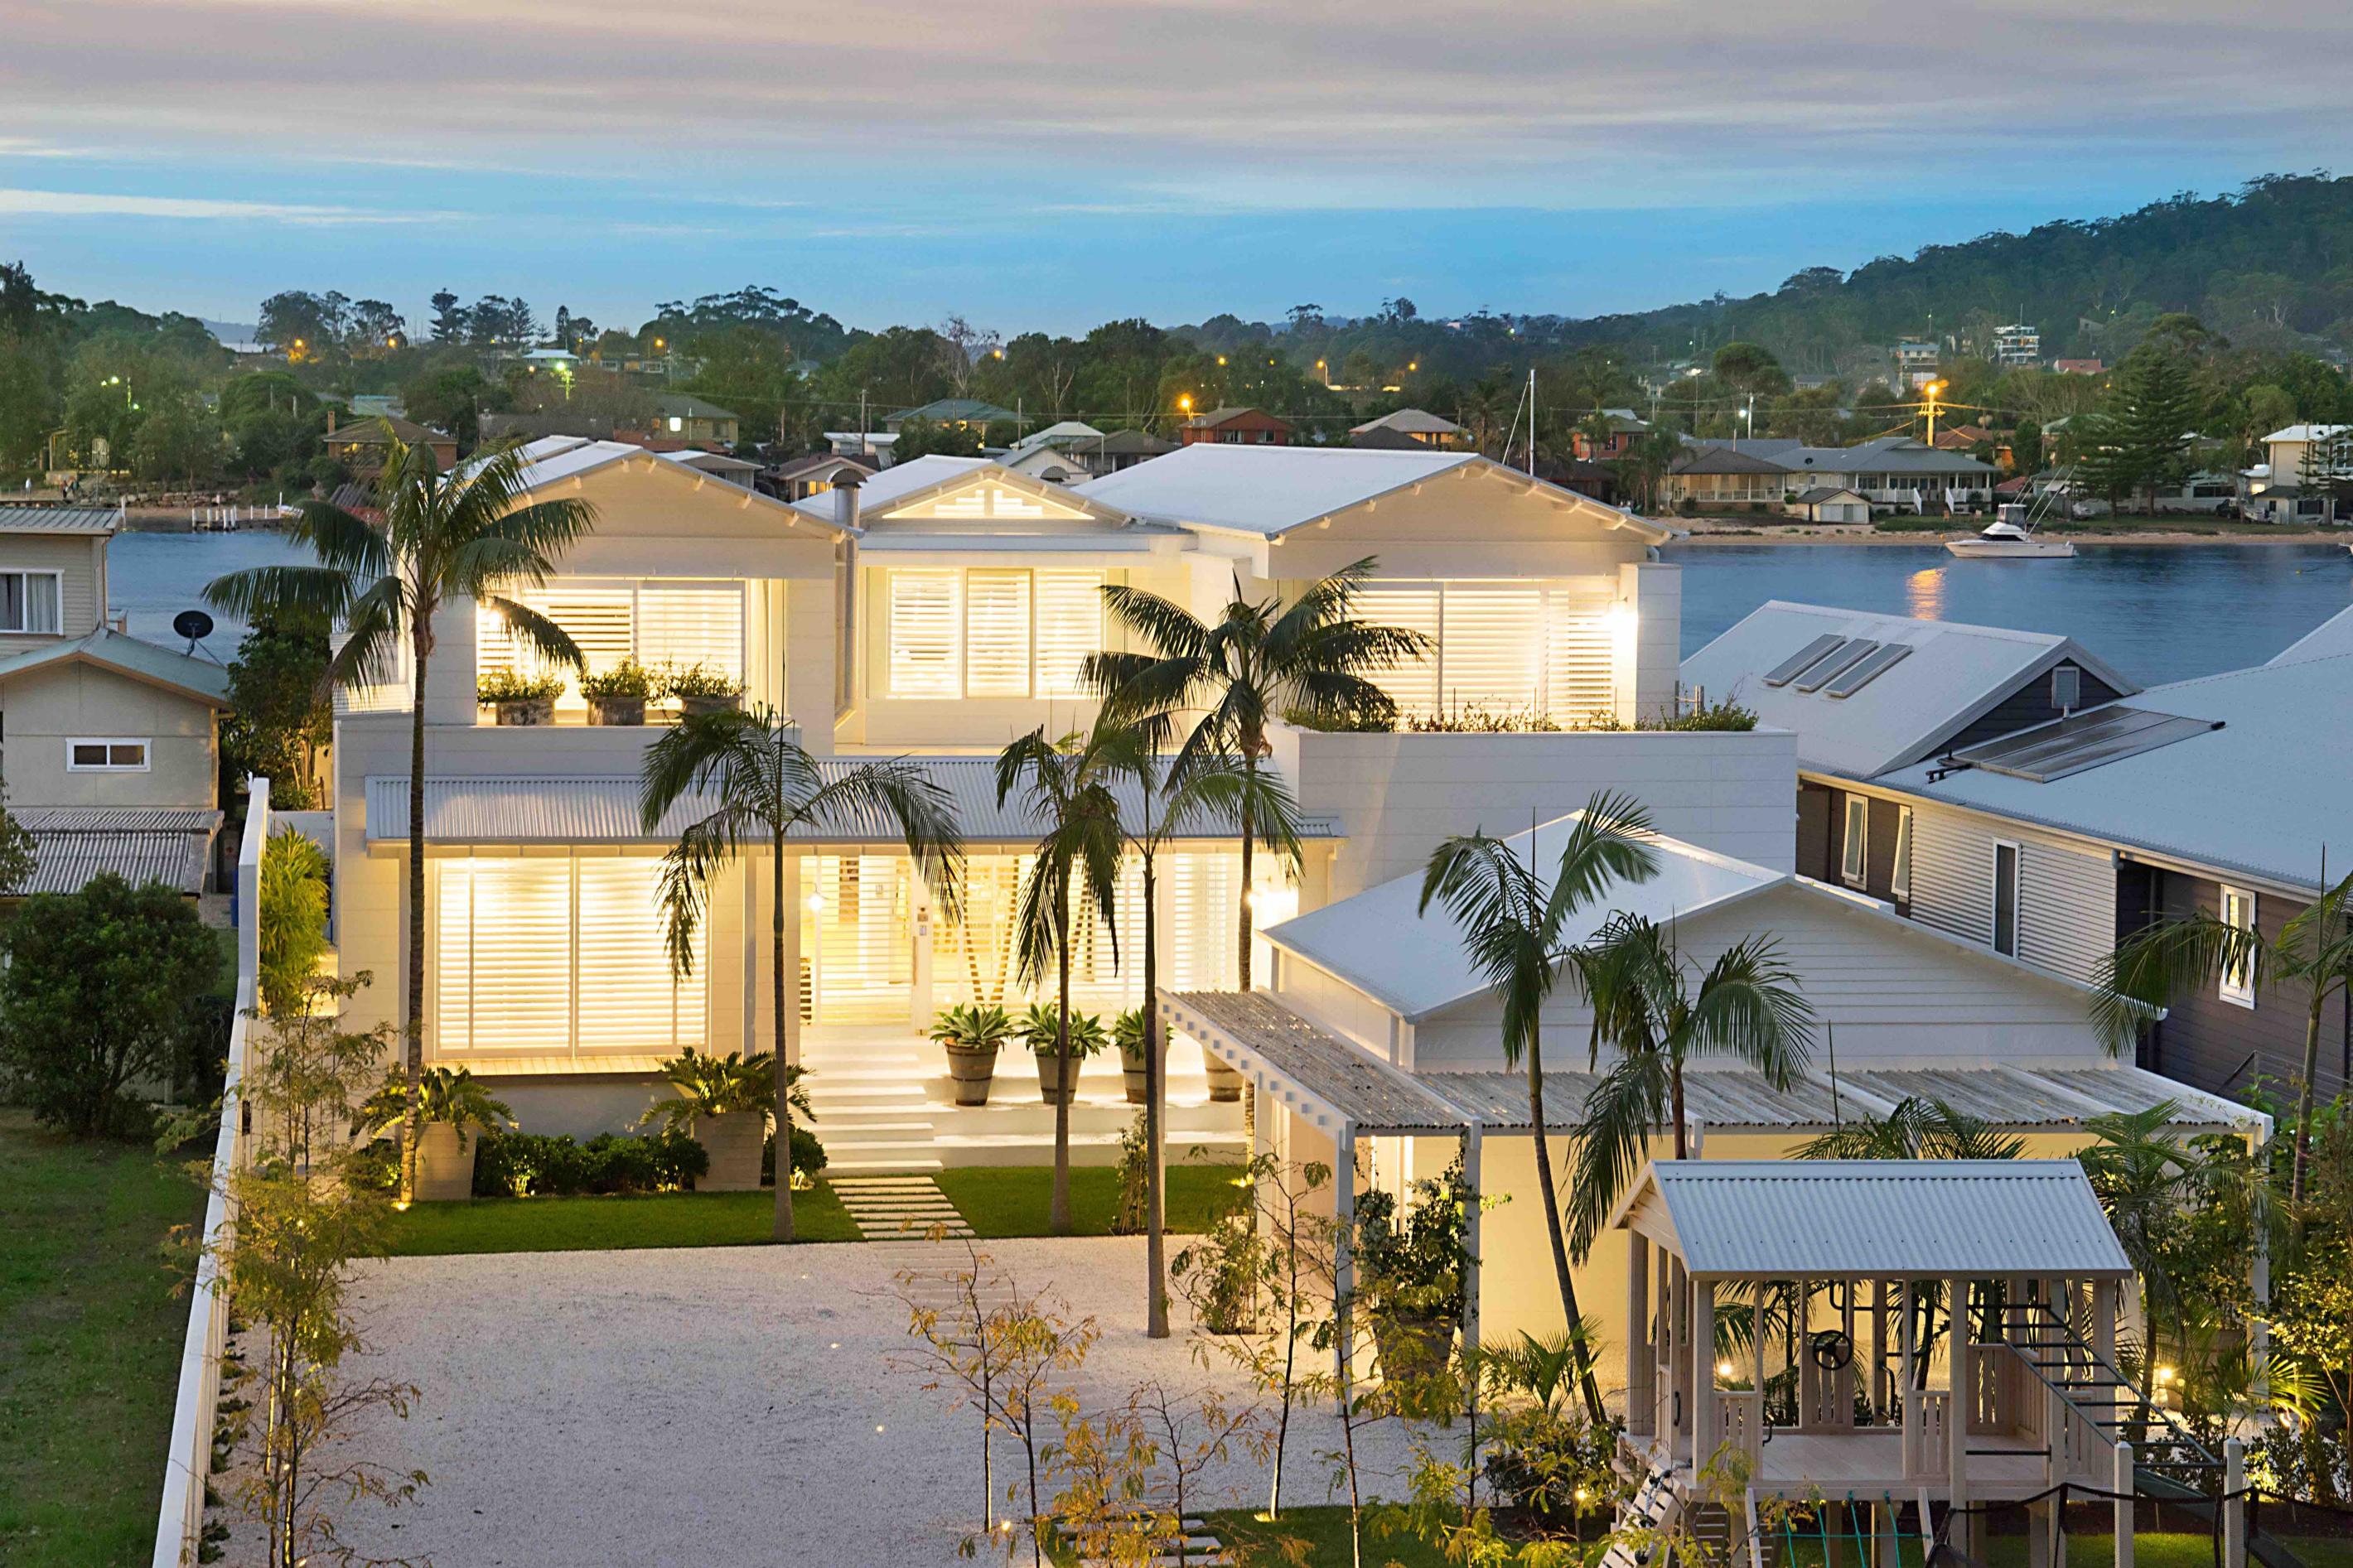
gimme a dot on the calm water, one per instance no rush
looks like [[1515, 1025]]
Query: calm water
[[2158, 613]]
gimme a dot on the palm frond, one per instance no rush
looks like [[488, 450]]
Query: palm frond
[[1623, 1111], [1748, 1008], [542, 636]]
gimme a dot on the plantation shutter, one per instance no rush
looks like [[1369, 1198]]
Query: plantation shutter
[[626, 998], [925, 626], [972, 955], [1070, 629], [686, 626], [1204, 894], [453, 957], [997, 633], [1581, 662], [598, 620], [1099, 978], [1412, 684], [520, 980], [1491, 646], [859, 932]]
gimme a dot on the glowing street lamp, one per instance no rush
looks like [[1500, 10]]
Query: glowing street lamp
[[1185, 402]]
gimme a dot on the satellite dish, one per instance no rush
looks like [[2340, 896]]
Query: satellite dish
[[193, 624]]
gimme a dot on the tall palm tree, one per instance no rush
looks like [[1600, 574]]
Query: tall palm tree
[[467, 533], [1747, 1006], [2146, 1180], [2314, 951], [745, 774], [1513, 929], [1914, 1129], [1220, 791], [1256, 663], [1073, 878]]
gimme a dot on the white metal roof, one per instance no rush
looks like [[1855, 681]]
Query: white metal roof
[[2263, 795], [554, 459], [895, 483], [1952, 675], [1269, 490], [1779, 1219], [2328, 640], [1413, 962], [2306, 433]]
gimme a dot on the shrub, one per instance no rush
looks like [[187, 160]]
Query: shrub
[[700, 680], [535, 1165], [102, 988], [506, 685], [808, 1157], [627, 681], [293, 918]]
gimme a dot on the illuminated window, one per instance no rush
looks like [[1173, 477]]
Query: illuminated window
[[926, 615], [1070, 629], [991, 632], [655, 624], [997, 633], [1854, 852], [1503, 648], [113, 754], [1900, 882], [2238, 984]]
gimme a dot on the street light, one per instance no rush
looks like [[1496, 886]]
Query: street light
[[1932, 389]]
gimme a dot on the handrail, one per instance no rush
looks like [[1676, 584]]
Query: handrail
[[2177, 1432]]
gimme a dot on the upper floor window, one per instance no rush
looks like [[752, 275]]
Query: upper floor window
[[2238, 985], [30, 603], [1503, 648], [110, 754], [990, 631], [2005, 899], [655, 624], [1899, 881], [1854, 852]]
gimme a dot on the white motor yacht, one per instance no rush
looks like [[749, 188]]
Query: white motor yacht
[[2011, 537]]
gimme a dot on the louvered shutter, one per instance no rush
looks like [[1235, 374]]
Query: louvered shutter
[[453, 957], [997, 633], [860, 936], [520, 979], [1205, 920], [1070, 629], [628, 1000], [686, 626], [926, 623], [1491, 648], [1581, 663], [1413, 607]]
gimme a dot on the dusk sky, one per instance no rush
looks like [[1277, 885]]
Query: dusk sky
[[1052, 164]]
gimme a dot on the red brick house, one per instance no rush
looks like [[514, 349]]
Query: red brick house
[[1236, 426]]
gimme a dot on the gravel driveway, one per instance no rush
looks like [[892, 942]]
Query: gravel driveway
[[720, 1405]]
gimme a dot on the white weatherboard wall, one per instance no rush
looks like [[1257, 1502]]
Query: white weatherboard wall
[[1396, 796], [2066, 893]]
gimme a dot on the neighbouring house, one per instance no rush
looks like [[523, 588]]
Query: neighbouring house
[[2079, 366], [804, 476], [2294, 483], [1624, 428], [1894, 472], [2017, 346], [1916, 362], [1124, 449], [972, 414], [1418, 426], [1829, 503], [1236, 426], [1058, 454], [718, 465], [358, 443], [1969, 437], [684, 417]]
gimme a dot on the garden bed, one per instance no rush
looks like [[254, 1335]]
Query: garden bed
[[616, 1224]]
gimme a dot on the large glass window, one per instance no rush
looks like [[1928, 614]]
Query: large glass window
[[990, 631], [1505, 649], [655, 624], [1855, 851], [557, 955], [2238, 982]]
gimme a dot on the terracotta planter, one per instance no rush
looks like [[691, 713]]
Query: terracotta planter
[[1056, 1086], [616, 710], [1225, 1083], [694, 706], [1132, 1067], [733, 1140], [972, 1073], [445, 1163], [537, 711]]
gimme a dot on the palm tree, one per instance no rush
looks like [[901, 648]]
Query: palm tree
[[1256, 663], [1914, 1129], [747, 775], [464, 534], [1074, 876], [2314, 950], [2146, 1179], [1747, 1007], [1220, 791], [1512, 927]]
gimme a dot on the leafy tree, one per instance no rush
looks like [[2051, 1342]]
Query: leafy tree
[[748, 776], [19, 854], [97, 994], [178, 439], [2153, 420], [2026, 448], [1514, 930], [474, 535], [453, 399], [280, 718], [451, 324], [294, 316], [293, 920], [1750, 367], [921, 438], [375, 324]]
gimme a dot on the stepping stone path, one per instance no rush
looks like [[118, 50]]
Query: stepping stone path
[[1202, 1550], [900, 1209]]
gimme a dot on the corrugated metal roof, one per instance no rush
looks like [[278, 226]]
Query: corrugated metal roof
[[134, 656], [140, 843], [605, 810], [1372, 1095], [1718, 1097], [59, 519], [1886, 1218], [117, 818]]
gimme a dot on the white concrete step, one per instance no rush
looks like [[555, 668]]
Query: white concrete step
[[883, 1159]]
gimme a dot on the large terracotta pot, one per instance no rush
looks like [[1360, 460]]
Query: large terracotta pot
[[1132, 1066], [733, 1140], [1225, 1083], [445, 1163], [537, 711], [1056, 1086], [972, 1073]]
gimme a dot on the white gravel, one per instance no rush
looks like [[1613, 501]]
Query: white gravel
[[722, 1405]]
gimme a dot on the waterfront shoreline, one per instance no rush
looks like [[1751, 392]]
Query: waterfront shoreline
[[1871, 538]]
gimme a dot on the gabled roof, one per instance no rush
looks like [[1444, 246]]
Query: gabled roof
[[1409, 422], [906, 485], [369, 430], [685, 406], [1267, 491], [61, 518], [1780, 1220], [1821, 493], [1227, 415], [823, 463], [201, 679], [1064, 434], [2306, 433], [955, 410], [1126, 443], [552, 459], [1950, 676], [1413, 962], [2261, 797]]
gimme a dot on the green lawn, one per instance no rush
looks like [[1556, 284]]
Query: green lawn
[[90, 1345], [1002, 1201], [614, 1223], [1325, 1533]]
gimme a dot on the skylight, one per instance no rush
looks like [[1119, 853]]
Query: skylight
[[1885, 658], [2082, 741], [1797, 663], [1841, 658]]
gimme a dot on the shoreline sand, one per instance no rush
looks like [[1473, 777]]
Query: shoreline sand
[[1869, 537]]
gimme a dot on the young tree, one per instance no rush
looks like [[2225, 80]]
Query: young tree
[[472, 534], [1515, 928], [19, 854], [282, 719], [293, 920], [749, 783], [97, 993], [1258, 662]]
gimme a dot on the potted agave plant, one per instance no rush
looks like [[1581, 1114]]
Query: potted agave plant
[[1127, 1031], [723, 1102], [972, 1036], [1057, 1076], [453, 1107], [699, 688], [520, 699], [619, 694]]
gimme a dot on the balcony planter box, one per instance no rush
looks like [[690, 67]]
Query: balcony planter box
[[533, 711], [972, 1073], [1056, 1086], [1225, 1082], [693, 707], [616, 710], [445, 1163], [733, 1140]]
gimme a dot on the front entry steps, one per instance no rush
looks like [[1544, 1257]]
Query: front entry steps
[[899, 1208], [1202, 1548]]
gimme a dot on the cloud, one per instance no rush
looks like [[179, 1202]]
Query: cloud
[[19, 202]]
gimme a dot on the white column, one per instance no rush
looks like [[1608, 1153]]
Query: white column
[[1473, 1152], [919, 994], [1703, 1341], [1640, 1354], [794, 1001], [2123, 1487], [1957, 1383], [2234, 1506], [1647, 650], [1343, 1264]]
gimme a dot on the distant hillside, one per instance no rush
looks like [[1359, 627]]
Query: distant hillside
[[2271, 267]]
